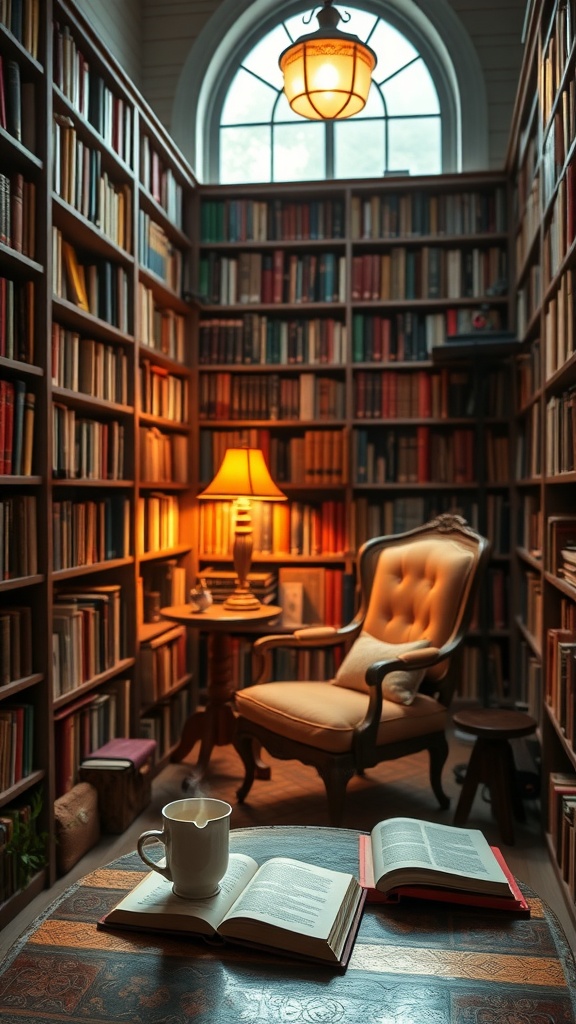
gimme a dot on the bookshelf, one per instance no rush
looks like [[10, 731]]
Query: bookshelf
[[322, 307], [542, 167], [97, 462]]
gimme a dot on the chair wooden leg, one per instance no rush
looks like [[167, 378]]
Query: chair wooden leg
[[438, 751], [335, 779], [244, 745]]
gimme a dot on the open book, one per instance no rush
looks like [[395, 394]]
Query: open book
[[284, 906], [405, 857]]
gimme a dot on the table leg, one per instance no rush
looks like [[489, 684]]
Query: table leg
[[213, 725]]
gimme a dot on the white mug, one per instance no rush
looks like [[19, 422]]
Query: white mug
[[195, 836]]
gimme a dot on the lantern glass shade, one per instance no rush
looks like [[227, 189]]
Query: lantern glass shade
[[327, 75]]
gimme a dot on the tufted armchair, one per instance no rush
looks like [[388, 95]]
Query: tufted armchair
[[391, 693]]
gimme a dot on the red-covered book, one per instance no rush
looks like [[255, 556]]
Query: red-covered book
[[408, 859]]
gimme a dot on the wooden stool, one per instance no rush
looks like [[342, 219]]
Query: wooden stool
[[492, 763]]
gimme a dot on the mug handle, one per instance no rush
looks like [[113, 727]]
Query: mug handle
[[153, 836]]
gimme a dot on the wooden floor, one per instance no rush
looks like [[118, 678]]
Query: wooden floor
[[295, 795]]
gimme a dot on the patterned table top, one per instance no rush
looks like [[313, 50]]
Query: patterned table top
[[420, 964]]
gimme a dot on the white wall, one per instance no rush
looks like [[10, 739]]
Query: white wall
[[119, 25], [152, 39]]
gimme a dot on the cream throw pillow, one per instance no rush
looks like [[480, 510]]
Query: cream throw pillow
[[399, 686]]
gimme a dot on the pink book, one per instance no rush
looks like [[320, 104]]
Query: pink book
[[125, 751]]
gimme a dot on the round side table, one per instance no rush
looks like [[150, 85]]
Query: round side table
[[492, 763]]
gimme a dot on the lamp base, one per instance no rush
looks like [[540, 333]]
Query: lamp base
[[242, 600]]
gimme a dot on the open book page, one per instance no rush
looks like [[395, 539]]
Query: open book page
[[407, 851], [288, 896], [152, 904]]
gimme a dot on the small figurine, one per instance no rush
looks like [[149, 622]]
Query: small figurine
[[200, 597]]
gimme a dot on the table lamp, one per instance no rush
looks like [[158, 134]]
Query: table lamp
[[243, 477]]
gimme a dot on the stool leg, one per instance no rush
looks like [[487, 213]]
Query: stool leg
[[471, 782], [500, 783]]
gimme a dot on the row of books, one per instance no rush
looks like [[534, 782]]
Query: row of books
[[429, 273], [529, 687], [167, 579], [290, 664], [561, 433], [162, 393], [291, 528], [257, 339], [373, 518], [97, 286], [406, 394], [483, 674], [82, 183], [17, 214], [17, 104], [87, 634], [163, 457], [157, 253], [314, 457], [164, 723], [92, 367], [15, 643], [22, 18], [323, 596], [222, 582], [85, 725], [162, 330], [420, 213], [271, 397], [272, 278], [531, 604], [562, 824], [559, 341], [17, 406], [86, 449], [90, 531], [561, 679], [18, 536], [158, 523], [90, 95], [528, 372], [16, 743], [414, 455], [273, 220], [529, 445], [528, 298], [407, 337], [561, 226], [159, 180], [17, 320], [162, 664]]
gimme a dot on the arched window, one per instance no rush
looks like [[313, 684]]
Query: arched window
[[399, 130], [426, 112]]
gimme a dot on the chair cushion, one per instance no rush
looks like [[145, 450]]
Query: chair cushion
[[399, 686], [324, 715]]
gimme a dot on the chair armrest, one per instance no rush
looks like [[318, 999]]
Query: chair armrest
[[308, 638], [413, 660]]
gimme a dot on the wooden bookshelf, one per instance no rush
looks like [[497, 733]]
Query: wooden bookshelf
[[321, 308], [542, 166], [95, 344]]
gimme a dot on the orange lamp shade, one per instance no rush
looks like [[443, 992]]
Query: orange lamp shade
[[243, 473], [327, 78]]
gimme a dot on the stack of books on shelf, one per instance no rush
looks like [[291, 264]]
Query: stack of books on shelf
[[222, 582]]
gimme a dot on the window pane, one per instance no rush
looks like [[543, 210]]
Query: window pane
[[299, 152], [248, 101], [374, 104], [244, 154], [283, 111], [359, 149], [393, 50], [361, 24], [263, 59], [415, 145], [411, 92]]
